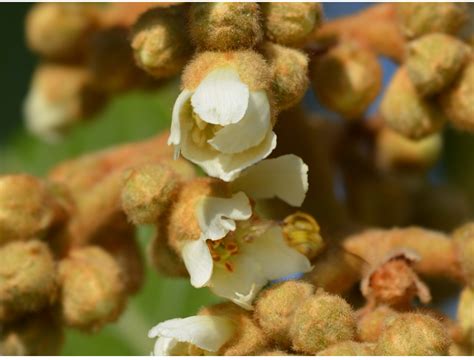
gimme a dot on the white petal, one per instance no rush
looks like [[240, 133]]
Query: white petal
[[221, 98], [248, 132], [275, 257], [198, 262], [285, 177], [164, 346], [216, 215], [204, 331], [241, 285], [181, 109]]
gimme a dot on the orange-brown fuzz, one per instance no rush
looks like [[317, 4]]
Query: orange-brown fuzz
[[371, 323]]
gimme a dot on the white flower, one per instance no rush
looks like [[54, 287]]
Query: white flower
[[206, 332], [236, 260], [222, 125]]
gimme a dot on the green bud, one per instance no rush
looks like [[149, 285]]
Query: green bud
[[433, 62], [275, 308], [321, 321], [465, 315], [347, 79], [411, 334], [348, 348], [372, 323], [405, 111], [93, 290], [160, 42], [28, 278], [291, 24], [463, 239], [224, 26]]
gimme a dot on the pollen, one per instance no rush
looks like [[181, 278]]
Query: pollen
[[302, 233], [222, 252]]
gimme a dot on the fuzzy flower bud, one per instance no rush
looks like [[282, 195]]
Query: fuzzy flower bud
[[347, 79], [321, 321], [163, 258], [302, 233], [463, 239], [433, 62], [465, 315], [348, 348], [37, 334], [417, 19], [28, 278], [92, 288], [371, 324], [289, 74], [224, 26], [291, 23], [457, 100], [275, 308], [406, 112], [412, 334], [160, 42]]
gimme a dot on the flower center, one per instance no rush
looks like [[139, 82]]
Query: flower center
[[222, 252], [302, 234], [202, 131]]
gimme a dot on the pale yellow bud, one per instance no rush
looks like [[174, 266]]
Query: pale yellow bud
[[348, 348], [372, 323], [302, 233], [463, 239]]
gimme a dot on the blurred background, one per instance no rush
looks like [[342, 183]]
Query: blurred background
[[132, 116]]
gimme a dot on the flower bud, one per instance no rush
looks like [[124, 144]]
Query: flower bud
[[406, 112], [224, 26], [394, 151], [274, 353], [417, 19], [164, 259], [147, 193], [289, 74], [457, 102], [302, 233], [60, 31], [371, 324], [92, 288], [38, 334], [321, 321], [463, 239], [28, 278], [291, 24], [275, 308], [160, 42], [347, 79], [413, 334], [465, 315], [433, 62], [348, 348]]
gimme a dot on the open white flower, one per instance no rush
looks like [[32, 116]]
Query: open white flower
[[222, 125], [207, 332], [235, 259]]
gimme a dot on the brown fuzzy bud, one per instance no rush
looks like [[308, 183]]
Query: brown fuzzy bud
[[371, 324], [291, 23], [348, 348], [92, 288], [147, 193], [413, 334], [289, 74], [252, 68], [321, 321], [275, 308], [417, 19], [274, 353], [396, 152], [60, 31], [457, 101], [465, 315], [347, 79], [28, 278], [406, 112], [37, 334], [160, 42], [225, 26], [433, 61], [302, 233], [463, 239]]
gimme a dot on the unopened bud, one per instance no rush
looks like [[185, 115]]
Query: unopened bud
[[92, 288], [417, 19], [413, 334], [224, 26], [28, 278], [371, 324], [302, 233], [457, 101], [291, 23], [274, 353], [321, 321], [433, 62], [275, 308], [463, 239], [164, 259], [347, 79], [348, 348], [405, 111], [160, 42], [289, 74], [465, 315]]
